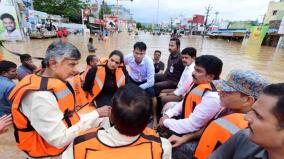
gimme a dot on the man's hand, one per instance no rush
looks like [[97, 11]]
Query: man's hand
[[5, 122], [163, 94], [161, 122], [176, 141], [104, 111]]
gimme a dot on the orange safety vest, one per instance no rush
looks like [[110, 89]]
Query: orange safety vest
[[100, 79], [84, 73], [27, 137], [147, 146], [194, 97], [218, 132], [80, 95]]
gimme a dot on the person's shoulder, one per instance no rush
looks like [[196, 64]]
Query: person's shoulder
[[6, 82], [42, 96]]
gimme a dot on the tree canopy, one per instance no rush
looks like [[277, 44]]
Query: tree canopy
[[104, 10], [66, 8]]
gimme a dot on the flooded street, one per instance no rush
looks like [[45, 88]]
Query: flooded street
[[268, 61]]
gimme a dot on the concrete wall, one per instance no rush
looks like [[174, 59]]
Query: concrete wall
[[279, 6]]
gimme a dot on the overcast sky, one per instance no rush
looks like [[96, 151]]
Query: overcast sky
[[147, 10]]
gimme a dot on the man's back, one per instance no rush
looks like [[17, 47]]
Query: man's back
[[114, 143]]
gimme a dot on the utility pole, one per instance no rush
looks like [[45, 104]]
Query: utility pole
[[216, 15], [171, 24], [207, 9]]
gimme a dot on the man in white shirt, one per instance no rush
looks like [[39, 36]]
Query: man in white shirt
[[129, 137], [188, 56], [45, 119], [201, 103], [11, 32], [142, 72]]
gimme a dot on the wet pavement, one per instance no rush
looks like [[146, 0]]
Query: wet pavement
[[268, 61]]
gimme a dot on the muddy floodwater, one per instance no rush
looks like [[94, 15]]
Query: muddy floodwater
[[268, 61]]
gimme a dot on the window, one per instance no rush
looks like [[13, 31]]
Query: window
[[274, 12]]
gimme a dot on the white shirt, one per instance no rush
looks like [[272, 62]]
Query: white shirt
[[144, 71], [112, 137], [15, 35], [42, 110], [185, 81], [202, 114]]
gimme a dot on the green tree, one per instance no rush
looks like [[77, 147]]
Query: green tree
[[66, 8], [139, 26], [104, 10]]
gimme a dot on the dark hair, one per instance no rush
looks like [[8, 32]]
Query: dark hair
[[130, 110], [118, 53], [90, 40], [189, 51], [90, 58], [43, 65], [90, 76], [5, 66], [277, 90], [6, 15], [177, 41], [140, 45], [158, 51], [24, 57], [212, 64]]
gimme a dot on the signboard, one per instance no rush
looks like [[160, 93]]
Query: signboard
[[9, 25], [281, 27], [257, 35]]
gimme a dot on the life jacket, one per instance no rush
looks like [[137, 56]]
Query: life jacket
[[27, 137], [89, 146], [80, 95], [84, 73], [100, 79], [218, 132], [194, 97]]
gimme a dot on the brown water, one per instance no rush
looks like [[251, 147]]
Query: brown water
[[267, 61]]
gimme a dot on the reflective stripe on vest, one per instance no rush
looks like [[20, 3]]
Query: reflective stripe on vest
[[100, 83], [227, 125], [63, 93], [218, 132], [120, 81]]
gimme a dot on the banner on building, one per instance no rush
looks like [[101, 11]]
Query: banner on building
[[281, 27], [257, 35], [9, 25]]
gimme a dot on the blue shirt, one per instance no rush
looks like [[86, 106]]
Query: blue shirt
[[6, 85], [22, 71], [144, 71]]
